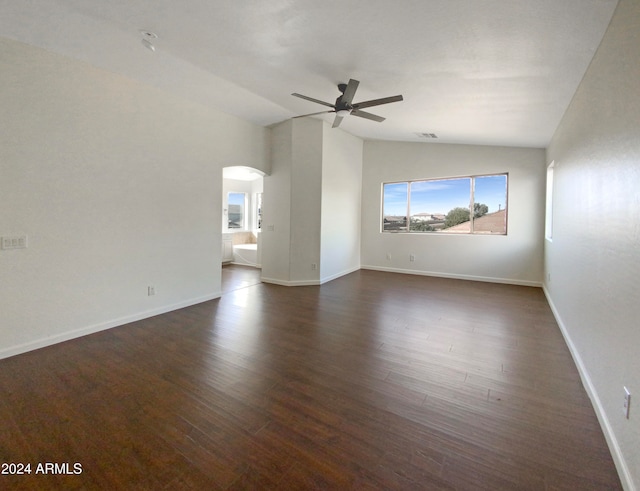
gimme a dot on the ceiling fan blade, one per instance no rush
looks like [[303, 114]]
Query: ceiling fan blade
[[312, 114], [337, 121], [365, 115], [378, 102], [312, 100], [350, 91]]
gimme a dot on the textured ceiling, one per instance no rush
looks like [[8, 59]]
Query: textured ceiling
[[499, 72]]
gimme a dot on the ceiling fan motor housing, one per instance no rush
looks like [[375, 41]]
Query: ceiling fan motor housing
[[344, 106]]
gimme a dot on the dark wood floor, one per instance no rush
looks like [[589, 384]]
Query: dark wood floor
[[372, 381], [235, 276]]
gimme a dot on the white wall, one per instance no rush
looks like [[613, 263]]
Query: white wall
[[291, 203], [306, 192], [341, 197], [515, 258], [594, 258], [311, 204], [117, 186]]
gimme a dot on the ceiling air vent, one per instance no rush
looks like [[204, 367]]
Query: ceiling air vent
[[429, 136]]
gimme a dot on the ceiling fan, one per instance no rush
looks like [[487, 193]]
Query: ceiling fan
[[345, 106]]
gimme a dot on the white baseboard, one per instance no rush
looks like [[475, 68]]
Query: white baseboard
[[276, 281], [250, 265], [326, 279], [487, 279], [102, 326], [321, 281], [612, 441]]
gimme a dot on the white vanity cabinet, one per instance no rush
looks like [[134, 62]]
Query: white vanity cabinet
[[227, 248]]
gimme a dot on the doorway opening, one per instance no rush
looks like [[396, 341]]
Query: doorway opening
[[242, 189]]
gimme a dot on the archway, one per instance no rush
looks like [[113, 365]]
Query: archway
[[242, 189]]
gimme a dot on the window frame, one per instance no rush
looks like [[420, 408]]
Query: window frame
[[257, 210], [472, 186], [548, 215]]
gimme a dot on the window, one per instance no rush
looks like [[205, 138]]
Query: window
[[548, 223], [258, 220], [395, 207], [236, 207], [464, 205]]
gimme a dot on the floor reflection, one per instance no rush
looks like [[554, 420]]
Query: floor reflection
[[235, 277]]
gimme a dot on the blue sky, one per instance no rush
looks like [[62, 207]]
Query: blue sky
[[236, 199], [443, 195], [492, 191]]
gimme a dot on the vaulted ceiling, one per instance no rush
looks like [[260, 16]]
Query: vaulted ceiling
[[496, 72]]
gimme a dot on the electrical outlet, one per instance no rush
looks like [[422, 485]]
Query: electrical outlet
[[627, 402], [314, 267], [151, 290], [388, 257], [412, 257]]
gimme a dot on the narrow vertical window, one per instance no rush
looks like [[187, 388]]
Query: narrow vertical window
[[236, 207], [548, 222], [259, 211]]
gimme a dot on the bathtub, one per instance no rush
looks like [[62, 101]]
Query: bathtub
[[246, 254]]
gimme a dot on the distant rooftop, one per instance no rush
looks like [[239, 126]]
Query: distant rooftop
[[489, 223]]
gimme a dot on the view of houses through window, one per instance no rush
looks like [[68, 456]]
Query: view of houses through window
[[236, 207], [465, 205]]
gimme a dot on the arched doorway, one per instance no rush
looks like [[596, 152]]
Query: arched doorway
[[242, 189]]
